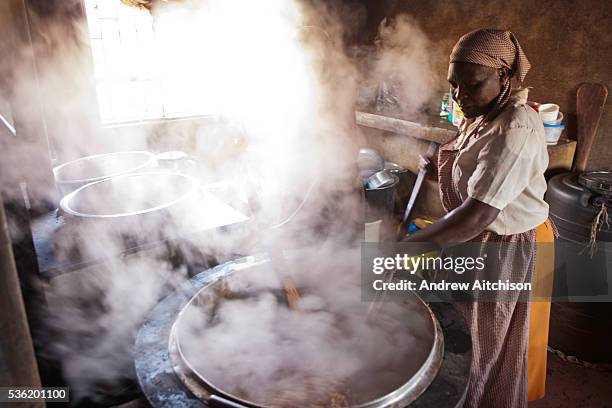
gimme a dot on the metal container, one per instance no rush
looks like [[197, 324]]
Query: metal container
[[380, 201], [380, 179], [129, 195], [136, 207], [177, 161], [163, 384], [369, 161], [77, 173], [404, 187], [424, 363]]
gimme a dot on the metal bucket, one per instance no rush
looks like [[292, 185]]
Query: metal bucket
[[380, 202], [404, 187]]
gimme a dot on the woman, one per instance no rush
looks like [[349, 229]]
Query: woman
[[491, 179]]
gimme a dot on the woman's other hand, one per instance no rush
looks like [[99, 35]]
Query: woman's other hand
[[425, 164], [429, 163]]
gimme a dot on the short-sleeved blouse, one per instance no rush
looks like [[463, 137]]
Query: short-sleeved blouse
[[504, 167]]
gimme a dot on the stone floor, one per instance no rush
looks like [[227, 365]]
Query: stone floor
[[570, 385]]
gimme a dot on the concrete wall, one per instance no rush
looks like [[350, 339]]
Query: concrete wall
[[568, 42]]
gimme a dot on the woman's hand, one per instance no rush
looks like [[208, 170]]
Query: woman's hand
[[460, 225], [425, 164], [430, 165]]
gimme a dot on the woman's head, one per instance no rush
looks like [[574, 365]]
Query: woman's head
[[482, 65], [475, 87]]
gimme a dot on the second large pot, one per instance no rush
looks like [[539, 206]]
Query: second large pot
[[77, 173], [126, 211]]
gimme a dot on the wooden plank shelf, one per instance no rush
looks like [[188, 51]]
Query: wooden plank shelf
[[561, 155], [435, 132]]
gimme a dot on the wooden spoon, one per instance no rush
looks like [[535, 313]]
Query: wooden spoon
[[590, 101]]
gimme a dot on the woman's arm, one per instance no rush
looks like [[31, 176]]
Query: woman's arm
[[462, 224]]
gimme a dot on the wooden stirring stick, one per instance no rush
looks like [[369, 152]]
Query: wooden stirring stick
[[277, 259], [279, 265], [291, 292]]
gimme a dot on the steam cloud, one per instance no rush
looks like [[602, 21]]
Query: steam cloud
[[283, 100], [400, 68], [257, 348]]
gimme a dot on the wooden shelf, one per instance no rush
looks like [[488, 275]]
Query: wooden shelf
[[441, 131]]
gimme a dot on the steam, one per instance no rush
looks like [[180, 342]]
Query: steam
[[400, 71], [282, 94], [94, 318], [257, 348]]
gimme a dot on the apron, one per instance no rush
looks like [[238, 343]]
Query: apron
[[539, 315], [501, 334]]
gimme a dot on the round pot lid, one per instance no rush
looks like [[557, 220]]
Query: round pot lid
[[599, 182]]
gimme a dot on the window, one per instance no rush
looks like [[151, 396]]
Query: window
[[129, 83]]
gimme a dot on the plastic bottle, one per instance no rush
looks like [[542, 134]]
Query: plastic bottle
[[445, 106], [456, 113]]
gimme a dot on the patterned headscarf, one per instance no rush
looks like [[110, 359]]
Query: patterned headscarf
[[495, 49]]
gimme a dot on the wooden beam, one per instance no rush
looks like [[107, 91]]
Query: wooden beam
[[404, 127], [560, 155]]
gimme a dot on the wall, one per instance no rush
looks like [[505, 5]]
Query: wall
[[567, 42]]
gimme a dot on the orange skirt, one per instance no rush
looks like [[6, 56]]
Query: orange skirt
[[539, 314]]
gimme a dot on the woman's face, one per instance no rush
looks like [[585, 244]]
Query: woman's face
[[475, 87]]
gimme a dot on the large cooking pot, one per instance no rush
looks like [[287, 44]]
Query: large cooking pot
[[129, 195], [128, 209], [76, 173], [238, 342], [163, 380]]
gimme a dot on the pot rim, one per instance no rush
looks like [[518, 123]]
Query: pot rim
[[65, 202], [57, 170], [404, 394]]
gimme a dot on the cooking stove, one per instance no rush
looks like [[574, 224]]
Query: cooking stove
[[167, 378]]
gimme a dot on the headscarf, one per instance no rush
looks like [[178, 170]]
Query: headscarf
[[495, 49]]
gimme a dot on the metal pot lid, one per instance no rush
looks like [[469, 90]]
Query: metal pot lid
[[236, 339], [599, 182], [370, 159], [381, 179]]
